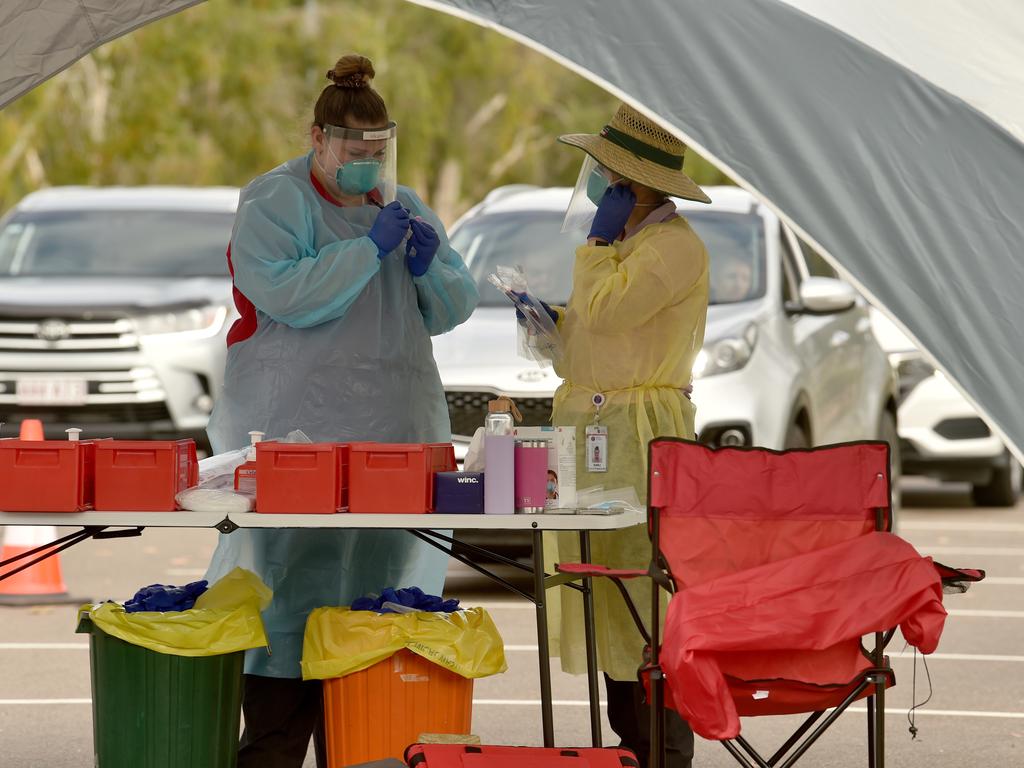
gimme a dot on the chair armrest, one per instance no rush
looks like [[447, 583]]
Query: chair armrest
[[590, 569], [957, 580]]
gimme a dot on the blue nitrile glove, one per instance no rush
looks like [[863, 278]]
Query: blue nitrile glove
[[424, 242], [547, 308], [412, 597], [165, 597], [389, 228], [613, 213]]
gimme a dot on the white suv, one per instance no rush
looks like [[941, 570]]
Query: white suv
[[114, 307], [789, 358], [941, 434]]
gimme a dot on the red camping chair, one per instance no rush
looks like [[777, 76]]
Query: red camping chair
[[780, 564]]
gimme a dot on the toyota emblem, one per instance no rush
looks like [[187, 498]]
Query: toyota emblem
[[53, 330]]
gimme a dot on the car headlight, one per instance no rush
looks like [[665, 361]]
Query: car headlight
[[201, 322], [725, 355]]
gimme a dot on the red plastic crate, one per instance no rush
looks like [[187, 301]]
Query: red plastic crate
[[46, 475], [395, 477], [143, 475], [295, 478]]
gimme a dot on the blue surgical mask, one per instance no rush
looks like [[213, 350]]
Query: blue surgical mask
[[596, 186]]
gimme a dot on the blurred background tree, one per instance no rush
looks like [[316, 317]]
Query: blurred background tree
[[224, 91]]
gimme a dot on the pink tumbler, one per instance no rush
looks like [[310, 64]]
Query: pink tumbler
[[531, 476]]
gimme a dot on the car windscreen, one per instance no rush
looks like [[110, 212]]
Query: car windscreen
[[125, 243], [533, 239]]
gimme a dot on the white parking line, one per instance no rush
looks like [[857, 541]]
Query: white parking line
[[888, 711], [584, 703], [969, 551], [986, 614], [967, 527], [44, 646]]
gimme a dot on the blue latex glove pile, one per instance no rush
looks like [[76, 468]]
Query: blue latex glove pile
[[165, 597], [413, 598]]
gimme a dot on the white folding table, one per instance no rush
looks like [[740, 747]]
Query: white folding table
[[425, 527]]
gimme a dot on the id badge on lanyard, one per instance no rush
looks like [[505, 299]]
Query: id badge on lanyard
[[597, 439]]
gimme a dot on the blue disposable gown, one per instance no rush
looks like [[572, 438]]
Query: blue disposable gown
[[341, 351]]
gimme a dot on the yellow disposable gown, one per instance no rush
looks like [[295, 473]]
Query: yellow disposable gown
[[632, 328]]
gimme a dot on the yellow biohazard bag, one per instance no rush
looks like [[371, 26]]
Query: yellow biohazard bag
[[226, 618], [339, 641]]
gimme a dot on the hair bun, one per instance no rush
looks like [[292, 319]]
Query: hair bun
[[352, 71]]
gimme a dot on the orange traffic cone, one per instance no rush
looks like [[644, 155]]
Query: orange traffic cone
[[43, 582], [31, 429]]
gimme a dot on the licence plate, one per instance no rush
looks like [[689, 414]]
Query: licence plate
[[51, 391]]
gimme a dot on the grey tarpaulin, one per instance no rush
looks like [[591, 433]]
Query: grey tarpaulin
[[889, 134]]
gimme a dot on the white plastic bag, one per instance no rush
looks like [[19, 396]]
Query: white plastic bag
[[598, 501]]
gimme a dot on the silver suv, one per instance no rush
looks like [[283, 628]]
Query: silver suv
[[789, 358], [114, 307]]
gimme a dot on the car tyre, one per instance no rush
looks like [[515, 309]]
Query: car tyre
[[1003, 489], [796, 437]]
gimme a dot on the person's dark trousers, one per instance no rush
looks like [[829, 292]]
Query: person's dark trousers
[[280, 716], [630, 718]]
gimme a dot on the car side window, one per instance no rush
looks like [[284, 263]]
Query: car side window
[[790, 273], [816, 264]]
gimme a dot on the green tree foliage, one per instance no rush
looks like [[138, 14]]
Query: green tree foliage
[[224, 91]]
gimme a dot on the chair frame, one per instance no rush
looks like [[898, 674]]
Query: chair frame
[[876, 677]]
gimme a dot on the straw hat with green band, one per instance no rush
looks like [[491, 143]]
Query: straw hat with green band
[[634, 147]]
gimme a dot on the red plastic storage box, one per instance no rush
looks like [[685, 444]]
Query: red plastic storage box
[[395, 477], [46, 475], [486, 756], [300, 478], [143, 475]]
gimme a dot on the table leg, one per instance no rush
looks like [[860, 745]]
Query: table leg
[[544, 654], [591, 642]]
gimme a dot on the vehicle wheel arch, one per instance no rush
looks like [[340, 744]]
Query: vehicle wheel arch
[[800, 415]]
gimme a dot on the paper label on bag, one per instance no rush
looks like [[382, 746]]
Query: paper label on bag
[[597, 448]]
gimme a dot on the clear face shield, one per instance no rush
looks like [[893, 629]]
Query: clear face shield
[[593, 180], [365, 161]]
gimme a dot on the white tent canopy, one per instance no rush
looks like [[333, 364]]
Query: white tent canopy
[[890, 133]]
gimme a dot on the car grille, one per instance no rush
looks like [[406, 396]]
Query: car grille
[[969, 428], [469, 409], [61, 334], [122, 413]]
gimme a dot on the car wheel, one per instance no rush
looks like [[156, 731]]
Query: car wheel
[[796, 437], [1003, 489], [887, 432]]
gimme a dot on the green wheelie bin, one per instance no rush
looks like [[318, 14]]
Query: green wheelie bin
[[156, 710]]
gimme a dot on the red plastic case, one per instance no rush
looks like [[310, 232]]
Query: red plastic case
[[471, 756], [396, 477], [46, 475], [143, 475], [296, 478]]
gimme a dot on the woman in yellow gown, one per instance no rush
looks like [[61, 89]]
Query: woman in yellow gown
[[631, 331]]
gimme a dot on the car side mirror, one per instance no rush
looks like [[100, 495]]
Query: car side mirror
[[826, 296]]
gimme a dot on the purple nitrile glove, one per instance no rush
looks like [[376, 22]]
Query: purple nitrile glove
[[421, 247], [389, 228], [612, 213]]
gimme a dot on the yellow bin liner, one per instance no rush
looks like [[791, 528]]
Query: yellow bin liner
[[340, 641], [226, 618]]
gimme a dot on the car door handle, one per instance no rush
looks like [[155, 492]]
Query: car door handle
[[839, 338]]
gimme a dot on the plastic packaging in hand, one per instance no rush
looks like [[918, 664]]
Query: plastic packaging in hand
[[216, 489], [404, 601], [539, 339], [165, 597]]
